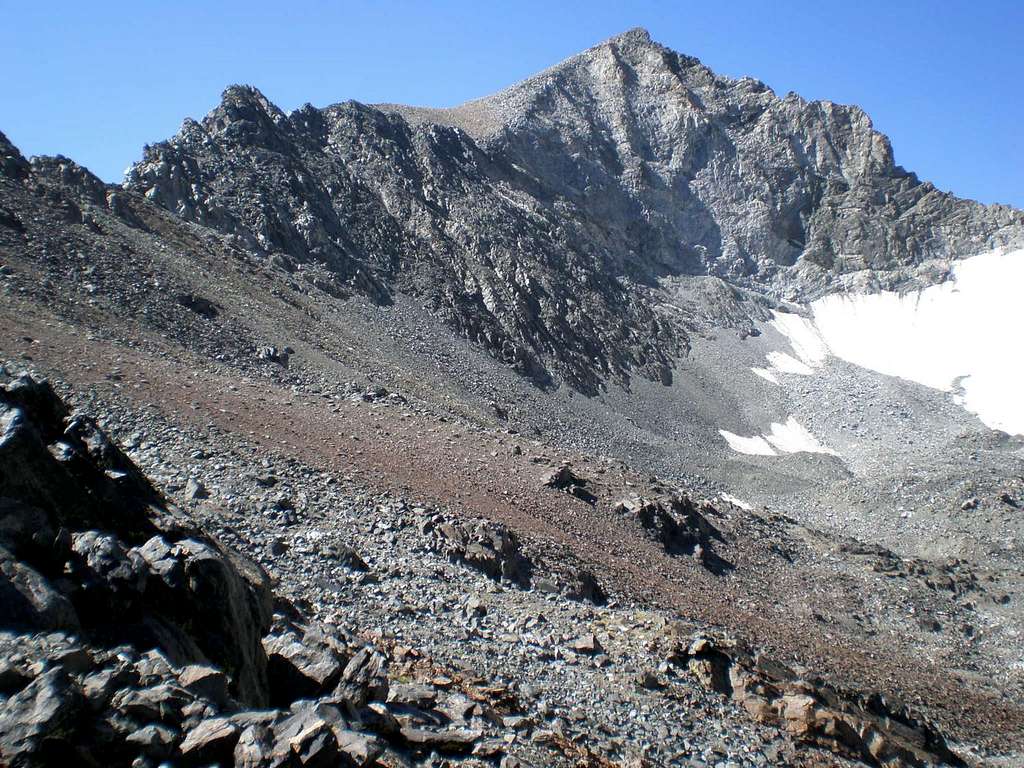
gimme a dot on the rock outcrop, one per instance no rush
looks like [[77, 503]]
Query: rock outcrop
[[541, 221], [868, 729], [128, 636], [680, 527]]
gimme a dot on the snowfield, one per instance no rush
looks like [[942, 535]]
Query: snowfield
[[960, 336]]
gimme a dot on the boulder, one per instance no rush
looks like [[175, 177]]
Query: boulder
[[588, 644], [365, 678], [412, 694], [155, 740], [562, 478], [28, 601], [680, 527], [211, 742], [307, 738], [254, 748], [302, 666], [206, 682], [488, 547], [454, 740], [39, 722], [856, 726]]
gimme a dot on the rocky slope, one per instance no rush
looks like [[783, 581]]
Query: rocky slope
[[131, 636], [263, 318], [538, 220]]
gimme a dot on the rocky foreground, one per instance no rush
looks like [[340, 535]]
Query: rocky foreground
[[131, 636]]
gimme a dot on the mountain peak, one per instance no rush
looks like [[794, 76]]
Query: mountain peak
[[249, 97], [636, 35]]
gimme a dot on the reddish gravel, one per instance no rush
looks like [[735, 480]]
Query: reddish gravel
[[476, 472]]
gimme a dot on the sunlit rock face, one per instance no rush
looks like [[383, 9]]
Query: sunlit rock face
[[543, 222]]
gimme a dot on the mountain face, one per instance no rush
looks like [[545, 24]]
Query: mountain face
[[543, 222], [322, 477]]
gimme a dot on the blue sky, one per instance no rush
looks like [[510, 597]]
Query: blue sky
[[96, 81]]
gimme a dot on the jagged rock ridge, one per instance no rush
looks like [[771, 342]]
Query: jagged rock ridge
[[539, 220]]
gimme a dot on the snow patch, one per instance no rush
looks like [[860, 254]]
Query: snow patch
[[752, 446], [765, 374], [807, 343], [808, 347], [955, 337], [788, 364], [794, 437], [959, 334], [791, 437]]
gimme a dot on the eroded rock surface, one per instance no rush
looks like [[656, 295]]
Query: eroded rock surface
[[538, 220]]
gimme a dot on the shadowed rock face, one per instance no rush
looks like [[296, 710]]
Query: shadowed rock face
[[538, 221], [88, 545], [128, 635]]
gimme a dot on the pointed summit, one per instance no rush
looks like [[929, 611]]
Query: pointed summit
[[249, 97], [635, 36], [247, 113]]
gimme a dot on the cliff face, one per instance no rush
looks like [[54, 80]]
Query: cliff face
[[698, 173], [539, 221]]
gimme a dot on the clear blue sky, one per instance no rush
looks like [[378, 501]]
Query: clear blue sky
[[97, 80]]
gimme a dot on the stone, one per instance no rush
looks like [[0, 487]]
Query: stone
[[563, 478], [360, 748], [412, 694], [195, 490], [278, 547], [649, 679], [345, 556], [164, 703], [301, 666], [99, 687], [307, 737], [814, 713], [365, 678], [163, 561], [46, 710], [75, 661], [206, 682], [154, 740], [455, 741], [254, 748], [12, 677], [211, 741], [29, 601], [490, 548], [587, 644], [108, 565]]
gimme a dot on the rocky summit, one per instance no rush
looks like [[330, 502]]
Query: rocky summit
[[540, 221], [546, 430]]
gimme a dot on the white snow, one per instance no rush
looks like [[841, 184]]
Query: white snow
[[788, 364], [963, 331], [805, 339], [807, 344], [766, 374], [957, 337], [791, 437], [752, 446], [735, 502]]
